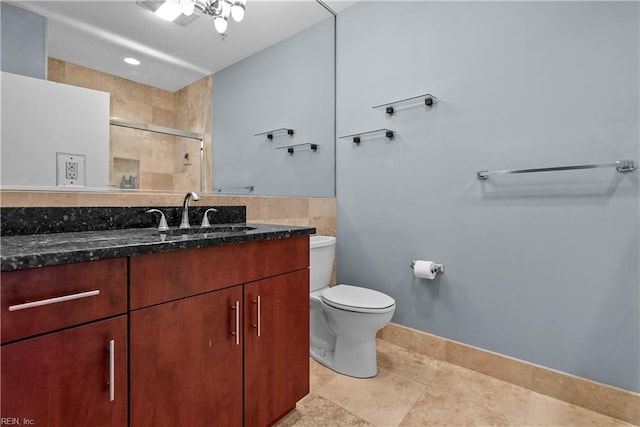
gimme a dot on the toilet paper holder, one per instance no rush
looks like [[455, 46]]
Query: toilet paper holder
[[438, 268]]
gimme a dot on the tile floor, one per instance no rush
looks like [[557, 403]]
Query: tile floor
[[415, 390]]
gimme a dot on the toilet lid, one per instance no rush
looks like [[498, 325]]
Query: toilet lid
[[355, 298]]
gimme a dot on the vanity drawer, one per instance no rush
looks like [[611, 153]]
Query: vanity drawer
[[167, 276], [38, 300]]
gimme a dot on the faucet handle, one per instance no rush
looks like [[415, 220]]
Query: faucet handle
[[163, 221], [205, 218]]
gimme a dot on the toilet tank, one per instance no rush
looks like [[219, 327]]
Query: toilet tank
[[322, 253]]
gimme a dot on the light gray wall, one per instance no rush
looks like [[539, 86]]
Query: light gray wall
[[541, 267], [24, 42], [288, 85]]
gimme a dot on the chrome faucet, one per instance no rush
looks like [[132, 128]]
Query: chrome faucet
[[185, 208]]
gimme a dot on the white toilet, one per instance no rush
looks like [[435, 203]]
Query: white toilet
[[344, 318]]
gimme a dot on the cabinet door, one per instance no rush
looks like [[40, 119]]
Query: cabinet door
[[63, 379], [276, 346], [186, 366]]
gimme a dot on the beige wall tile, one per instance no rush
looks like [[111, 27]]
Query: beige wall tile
[[124, 143], [412, 339], [208, 163], [199, 93], [77, 75], [283, 207], [601, 398], [163, 117], [156, 157], [325, 207], [106, 199], [156, 180], [11, 198], [56, 70], [492, 364], [131, 110], [252, 204], [547, 411], [191, 120], [325, 225], [162, 98], [181, 99], [130, 91], [186, 181]]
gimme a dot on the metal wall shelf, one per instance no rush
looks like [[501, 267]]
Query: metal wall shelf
[[276, 132], [291, 148], [391, 107], [358, 137]]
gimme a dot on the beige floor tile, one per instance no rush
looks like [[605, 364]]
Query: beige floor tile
[[383, 400], [460, 397], [316, 411], [319, 375], [409, 364], [595, 396], [547, 411]]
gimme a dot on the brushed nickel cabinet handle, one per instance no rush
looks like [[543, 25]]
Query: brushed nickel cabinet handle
[[257, 324], [236, 333], [112, 370], [54, 300]]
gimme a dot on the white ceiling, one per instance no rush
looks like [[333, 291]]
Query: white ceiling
[[99, 34]]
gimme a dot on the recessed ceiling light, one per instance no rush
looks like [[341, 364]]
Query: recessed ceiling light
[[131, 61], [169, 10]]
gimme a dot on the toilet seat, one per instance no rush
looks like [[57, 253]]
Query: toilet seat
[[357, 299]]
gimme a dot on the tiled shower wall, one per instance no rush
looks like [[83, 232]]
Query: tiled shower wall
[[159, 162]]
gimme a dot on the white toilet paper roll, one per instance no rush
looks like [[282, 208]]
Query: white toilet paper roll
[[425, 269]]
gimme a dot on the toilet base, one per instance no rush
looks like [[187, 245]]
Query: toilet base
[[358, 360]]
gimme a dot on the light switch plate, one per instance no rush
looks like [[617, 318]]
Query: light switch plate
[[70, 170]]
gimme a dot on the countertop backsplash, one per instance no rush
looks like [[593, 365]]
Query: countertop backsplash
[[46, 220]]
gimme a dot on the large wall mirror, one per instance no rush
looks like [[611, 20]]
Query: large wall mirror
[[274, 70]]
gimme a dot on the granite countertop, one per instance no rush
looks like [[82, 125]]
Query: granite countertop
[[40, 250]]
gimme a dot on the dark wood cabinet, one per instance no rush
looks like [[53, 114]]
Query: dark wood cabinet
[[186, 362], [276, 328], [217, 336], [61, 296], [193, 362], [63, 379]]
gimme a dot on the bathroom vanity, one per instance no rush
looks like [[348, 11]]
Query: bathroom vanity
[[135, 329]]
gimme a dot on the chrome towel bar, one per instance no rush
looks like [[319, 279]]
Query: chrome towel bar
[[248, 188], [620, 165]]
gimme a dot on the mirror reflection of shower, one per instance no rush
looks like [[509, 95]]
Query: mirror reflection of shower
[[150, 157]]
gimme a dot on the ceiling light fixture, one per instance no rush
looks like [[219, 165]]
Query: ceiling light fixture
[[131, 61], [169, 10], [218, 9]]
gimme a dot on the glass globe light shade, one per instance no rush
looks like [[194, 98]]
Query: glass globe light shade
[[225, 8], [187, 7], [237, 11], [220, 23]]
